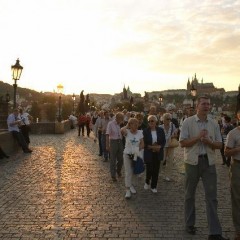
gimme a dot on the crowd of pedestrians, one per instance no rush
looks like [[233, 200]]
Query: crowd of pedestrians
[[123, 137]]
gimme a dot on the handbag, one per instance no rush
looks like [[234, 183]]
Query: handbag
[[138, 166], [173, 143]]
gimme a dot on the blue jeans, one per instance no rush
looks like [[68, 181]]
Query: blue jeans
[[208, 174]]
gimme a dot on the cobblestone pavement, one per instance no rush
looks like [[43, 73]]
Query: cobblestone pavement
[[63, 190]]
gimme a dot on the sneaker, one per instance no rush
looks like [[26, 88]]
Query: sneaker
[[133, 190], [146, 186], [128, 194], [217, 237], [154, 190]]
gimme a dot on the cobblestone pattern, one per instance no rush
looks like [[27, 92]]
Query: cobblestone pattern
[[63, 190]]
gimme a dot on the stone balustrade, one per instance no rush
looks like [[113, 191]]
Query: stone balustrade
[[50, 127], [9, 144]]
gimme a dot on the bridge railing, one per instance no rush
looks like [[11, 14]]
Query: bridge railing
[[10, 145]]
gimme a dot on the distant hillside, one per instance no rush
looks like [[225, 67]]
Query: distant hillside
[[23, 92]]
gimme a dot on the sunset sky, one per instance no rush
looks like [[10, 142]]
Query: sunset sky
[[101, 45]]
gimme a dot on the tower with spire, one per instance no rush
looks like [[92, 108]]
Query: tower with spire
[[125, 95]]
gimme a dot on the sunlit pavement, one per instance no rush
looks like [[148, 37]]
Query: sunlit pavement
[[63, 190]]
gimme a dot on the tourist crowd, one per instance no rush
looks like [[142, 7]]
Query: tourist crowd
[[127, 139], [124, 137]]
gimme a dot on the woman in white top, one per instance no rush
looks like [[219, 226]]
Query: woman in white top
[[170, 132], [133, 148]]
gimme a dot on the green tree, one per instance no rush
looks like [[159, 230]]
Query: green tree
[[48, 99]]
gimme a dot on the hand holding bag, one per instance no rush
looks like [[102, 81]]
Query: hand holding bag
[[173, 143], [138, 166]]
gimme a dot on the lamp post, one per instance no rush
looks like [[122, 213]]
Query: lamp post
[[73, 98], [160, 99], [193, 94], [16, 74], [60, 90]]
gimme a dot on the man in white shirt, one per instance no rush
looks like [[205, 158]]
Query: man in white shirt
[[200, 136]]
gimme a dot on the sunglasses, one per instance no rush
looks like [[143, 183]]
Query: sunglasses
[[151, 121]]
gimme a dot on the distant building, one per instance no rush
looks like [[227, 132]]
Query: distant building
[[203, 88], [155, 94], [127, 93]]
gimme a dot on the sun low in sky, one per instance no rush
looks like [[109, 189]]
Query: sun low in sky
[[101, 45]]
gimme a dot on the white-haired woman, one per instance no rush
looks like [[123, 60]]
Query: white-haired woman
[[170, 132], [133, 146]]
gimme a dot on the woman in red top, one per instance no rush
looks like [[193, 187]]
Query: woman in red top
[[81, 123], [88, 123]]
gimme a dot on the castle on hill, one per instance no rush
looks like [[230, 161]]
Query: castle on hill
[[203, 88]]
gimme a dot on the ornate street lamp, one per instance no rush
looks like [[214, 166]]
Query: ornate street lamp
[[193, 94], [160, 99], [60, 91], [73, 98], [16, 74]]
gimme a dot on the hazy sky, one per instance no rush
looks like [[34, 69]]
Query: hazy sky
[[100, 45]]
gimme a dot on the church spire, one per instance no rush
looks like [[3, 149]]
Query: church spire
[[195, 77]]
